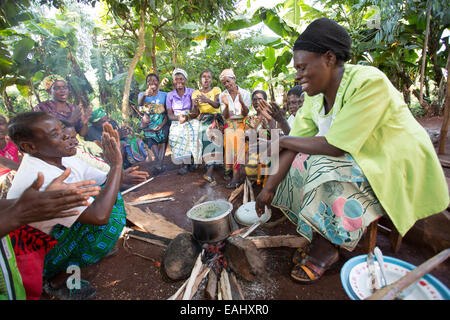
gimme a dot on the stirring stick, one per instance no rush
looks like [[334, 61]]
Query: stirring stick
[[137, 186]]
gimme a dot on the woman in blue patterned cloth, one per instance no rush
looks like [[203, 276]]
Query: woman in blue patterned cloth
[[155, 122]]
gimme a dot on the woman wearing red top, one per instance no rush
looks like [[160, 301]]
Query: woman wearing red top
[[9, 158]]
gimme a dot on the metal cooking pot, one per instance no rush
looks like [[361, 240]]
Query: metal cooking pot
[[208, 227]]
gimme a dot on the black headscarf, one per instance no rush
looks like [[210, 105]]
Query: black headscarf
[[322, 35]]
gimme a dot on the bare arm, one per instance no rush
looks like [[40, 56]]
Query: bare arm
[[99, 211], [310, 145], [34, 206]]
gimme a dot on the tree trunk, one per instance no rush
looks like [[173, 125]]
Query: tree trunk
[[424, 54], [134, 61], [444, 128], [81, 97], [153, 54], [7, 103]]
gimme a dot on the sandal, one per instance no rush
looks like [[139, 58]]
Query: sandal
[[210, 179], [233, 185], [156, 171], [85, 292], [183, 170], [300, 254], [312, 268]]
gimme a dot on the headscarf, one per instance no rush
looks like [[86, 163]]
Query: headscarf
[[322, 35], [97, 114], [177, 71], [227, 73], [49, 80]]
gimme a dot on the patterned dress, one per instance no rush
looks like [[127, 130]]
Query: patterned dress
[[390, 165], [84, 244], [211, 129], [154, 107]]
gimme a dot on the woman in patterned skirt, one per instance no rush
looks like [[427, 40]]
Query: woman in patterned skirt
[[354, 152]]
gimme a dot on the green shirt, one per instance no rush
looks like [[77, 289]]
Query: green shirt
[[373, 124], [11, 287]]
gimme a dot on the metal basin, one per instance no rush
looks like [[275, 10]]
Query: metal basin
[[211, 220]]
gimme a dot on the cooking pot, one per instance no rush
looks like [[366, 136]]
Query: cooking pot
[[211, 220]]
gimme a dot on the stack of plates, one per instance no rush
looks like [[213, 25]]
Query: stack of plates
[[355, 279]]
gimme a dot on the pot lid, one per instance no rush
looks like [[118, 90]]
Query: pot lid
[[246, 214]]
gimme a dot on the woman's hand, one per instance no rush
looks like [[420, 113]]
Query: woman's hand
[[182, 118], [76, 116], [132, 176], [34, 205], [111, 146], [263, 199], [86, 115], [224, 99]]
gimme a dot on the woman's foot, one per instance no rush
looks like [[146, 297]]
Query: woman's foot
[[312, 262], [85, 292], [183, 170]]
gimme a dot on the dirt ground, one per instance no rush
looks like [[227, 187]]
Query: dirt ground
[[126, 276]]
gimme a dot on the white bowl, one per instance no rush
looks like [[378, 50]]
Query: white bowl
[[246, 214]]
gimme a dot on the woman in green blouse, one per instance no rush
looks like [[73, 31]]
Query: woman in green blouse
[[355, 152]]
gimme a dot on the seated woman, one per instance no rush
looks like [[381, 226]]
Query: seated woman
[[85, 238], [132, 148], [155, 122], [15, 215], [235, 105], [95, 130], [206, 100], [355, 151], [261, 124], [295, 99], [57, 87], [184, 131], [9, 158]]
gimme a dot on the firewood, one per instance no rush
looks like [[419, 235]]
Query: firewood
[[211, 288], [202, 274], [235, 193], [236, 289], [137, 203], [250, 188], [243, 258], [151, 222], [195, 272], [137, 186], [291, 241], [179, 292], [225, 285], [391, 291], [245, 199]]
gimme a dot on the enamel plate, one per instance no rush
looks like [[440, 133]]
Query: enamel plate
[[356, 281]]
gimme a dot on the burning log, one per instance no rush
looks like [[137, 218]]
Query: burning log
[[236, 288], [243, 258], [291, 241], [196, 271], [211, 288], [235, 193], [225, 285]]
